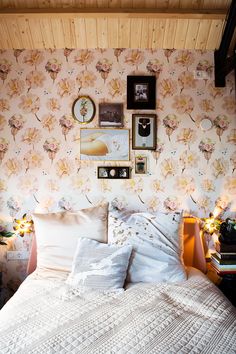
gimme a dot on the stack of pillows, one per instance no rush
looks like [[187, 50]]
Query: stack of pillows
[[102, 250]]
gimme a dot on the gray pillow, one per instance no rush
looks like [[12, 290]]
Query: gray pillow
[[99, 266]]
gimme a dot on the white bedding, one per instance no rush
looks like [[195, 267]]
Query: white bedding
[[44, 316]]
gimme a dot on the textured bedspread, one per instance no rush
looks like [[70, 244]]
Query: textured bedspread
[[189, 317]]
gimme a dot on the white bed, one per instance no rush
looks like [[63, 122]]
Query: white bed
[[47, 315]]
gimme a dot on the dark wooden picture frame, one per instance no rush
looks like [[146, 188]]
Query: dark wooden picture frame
[[111, 115], [144, 131], [141, 92], [121, 172]]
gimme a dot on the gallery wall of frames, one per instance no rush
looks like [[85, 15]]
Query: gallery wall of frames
[[136, 127]]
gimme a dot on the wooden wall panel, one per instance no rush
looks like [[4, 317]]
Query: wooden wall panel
[[80, 33], [180, 34], [102, 34], [191, 35]]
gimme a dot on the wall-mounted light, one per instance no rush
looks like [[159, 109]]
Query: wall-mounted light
[[210, 224], [23, 226]]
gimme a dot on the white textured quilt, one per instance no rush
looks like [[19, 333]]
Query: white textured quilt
[[189, 317]]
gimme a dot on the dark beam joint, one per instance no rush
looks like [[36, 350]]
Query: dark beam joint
[[224, 64]]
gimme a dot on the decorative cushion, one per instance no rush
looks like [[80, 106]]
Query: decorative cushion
[[99, 266], [57, 234], [157, 245]]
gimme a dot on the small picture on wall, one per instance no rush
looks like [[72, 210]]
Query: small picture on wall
[[141, 92], [111, 115], [104, 144], [113, 172], [141, 165], [144, 131]]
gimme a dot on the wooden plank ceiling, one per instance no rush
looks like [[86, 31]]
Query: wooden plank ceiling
[[179, 24]]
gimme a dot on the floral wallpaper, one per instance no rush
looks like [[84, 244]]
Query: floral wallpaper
[[41, 170]]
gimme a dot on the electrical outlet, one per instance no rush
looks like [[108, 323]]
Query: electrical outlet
[[15, 255]]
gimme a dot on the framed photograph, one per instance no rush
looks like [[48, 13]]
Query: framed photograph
[[144, 131], [141, 92], [104, 144], [111, 115], [113, 172], [141, 165], [83, 109]]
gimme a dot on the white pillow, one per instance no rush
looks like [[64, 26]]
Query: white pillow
[[57, 234], [157, 246], [99, 266]]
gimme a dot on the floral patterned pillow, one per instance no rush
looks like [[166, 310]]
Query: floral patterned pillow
[[157, 245]]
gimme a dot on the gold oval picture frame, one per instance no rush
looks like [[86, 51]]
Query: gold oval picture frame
[[83, 109]]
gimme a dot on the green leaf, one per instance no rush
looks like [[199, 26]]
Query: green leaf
[[6, 234]]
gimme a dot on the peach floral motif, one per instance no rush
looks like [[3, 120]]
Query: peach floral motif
[[156, 186], [31, 136], [159, 149], [52, 185], [35, 79], [204, 203], [83, 184], [135, 57], [28, 184], [168, 53], [185, 184], [16, 122], [13, 205], [159, 105], [184, 104], [15, 87], [207, 146], [17, 53], [154, 66], [153, 204], [12, 167], [3, 122], [187, 136], [208, 185], [231, 138], [34, 58], [65, 87], [229, 105], [188, 160], [53, 104], [51, 146], [53, 67], [220, 167], [222, 204], [185, 58], [47, 204], [4, 105], [85, 57], [30, 104], [171, 204], [168, 167], [230, 185], [104, 67], [215, 91], [134, 186], [206, 106], [32, 159], [116, 87], [65, 204], [67, 52], [48, 122], [86, 79], [117, 52], [5, 68], [4, 145], [233, 161], [186, 80], [171, 123], [3, 185], [104, 186], [67, 122], [221, 123], [64, 167], [168, 88]]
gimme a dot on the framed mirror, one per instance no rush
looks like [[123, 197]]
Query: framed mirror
[[83, 109]]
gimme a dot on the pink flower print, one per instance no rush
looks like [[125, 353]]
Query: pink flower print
[[4, 144], [207, 146], [67, 122], [221, 123], [5, 68], [53, 67], [104, 67], [16, 122], [51, 146], [155, 67], [170, 122]]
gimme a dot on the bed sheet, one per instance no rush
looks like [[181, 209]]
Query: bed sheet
[[46, 316]]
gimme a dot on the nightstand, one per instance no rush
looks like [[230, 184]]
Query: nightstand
[[228, 286]]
